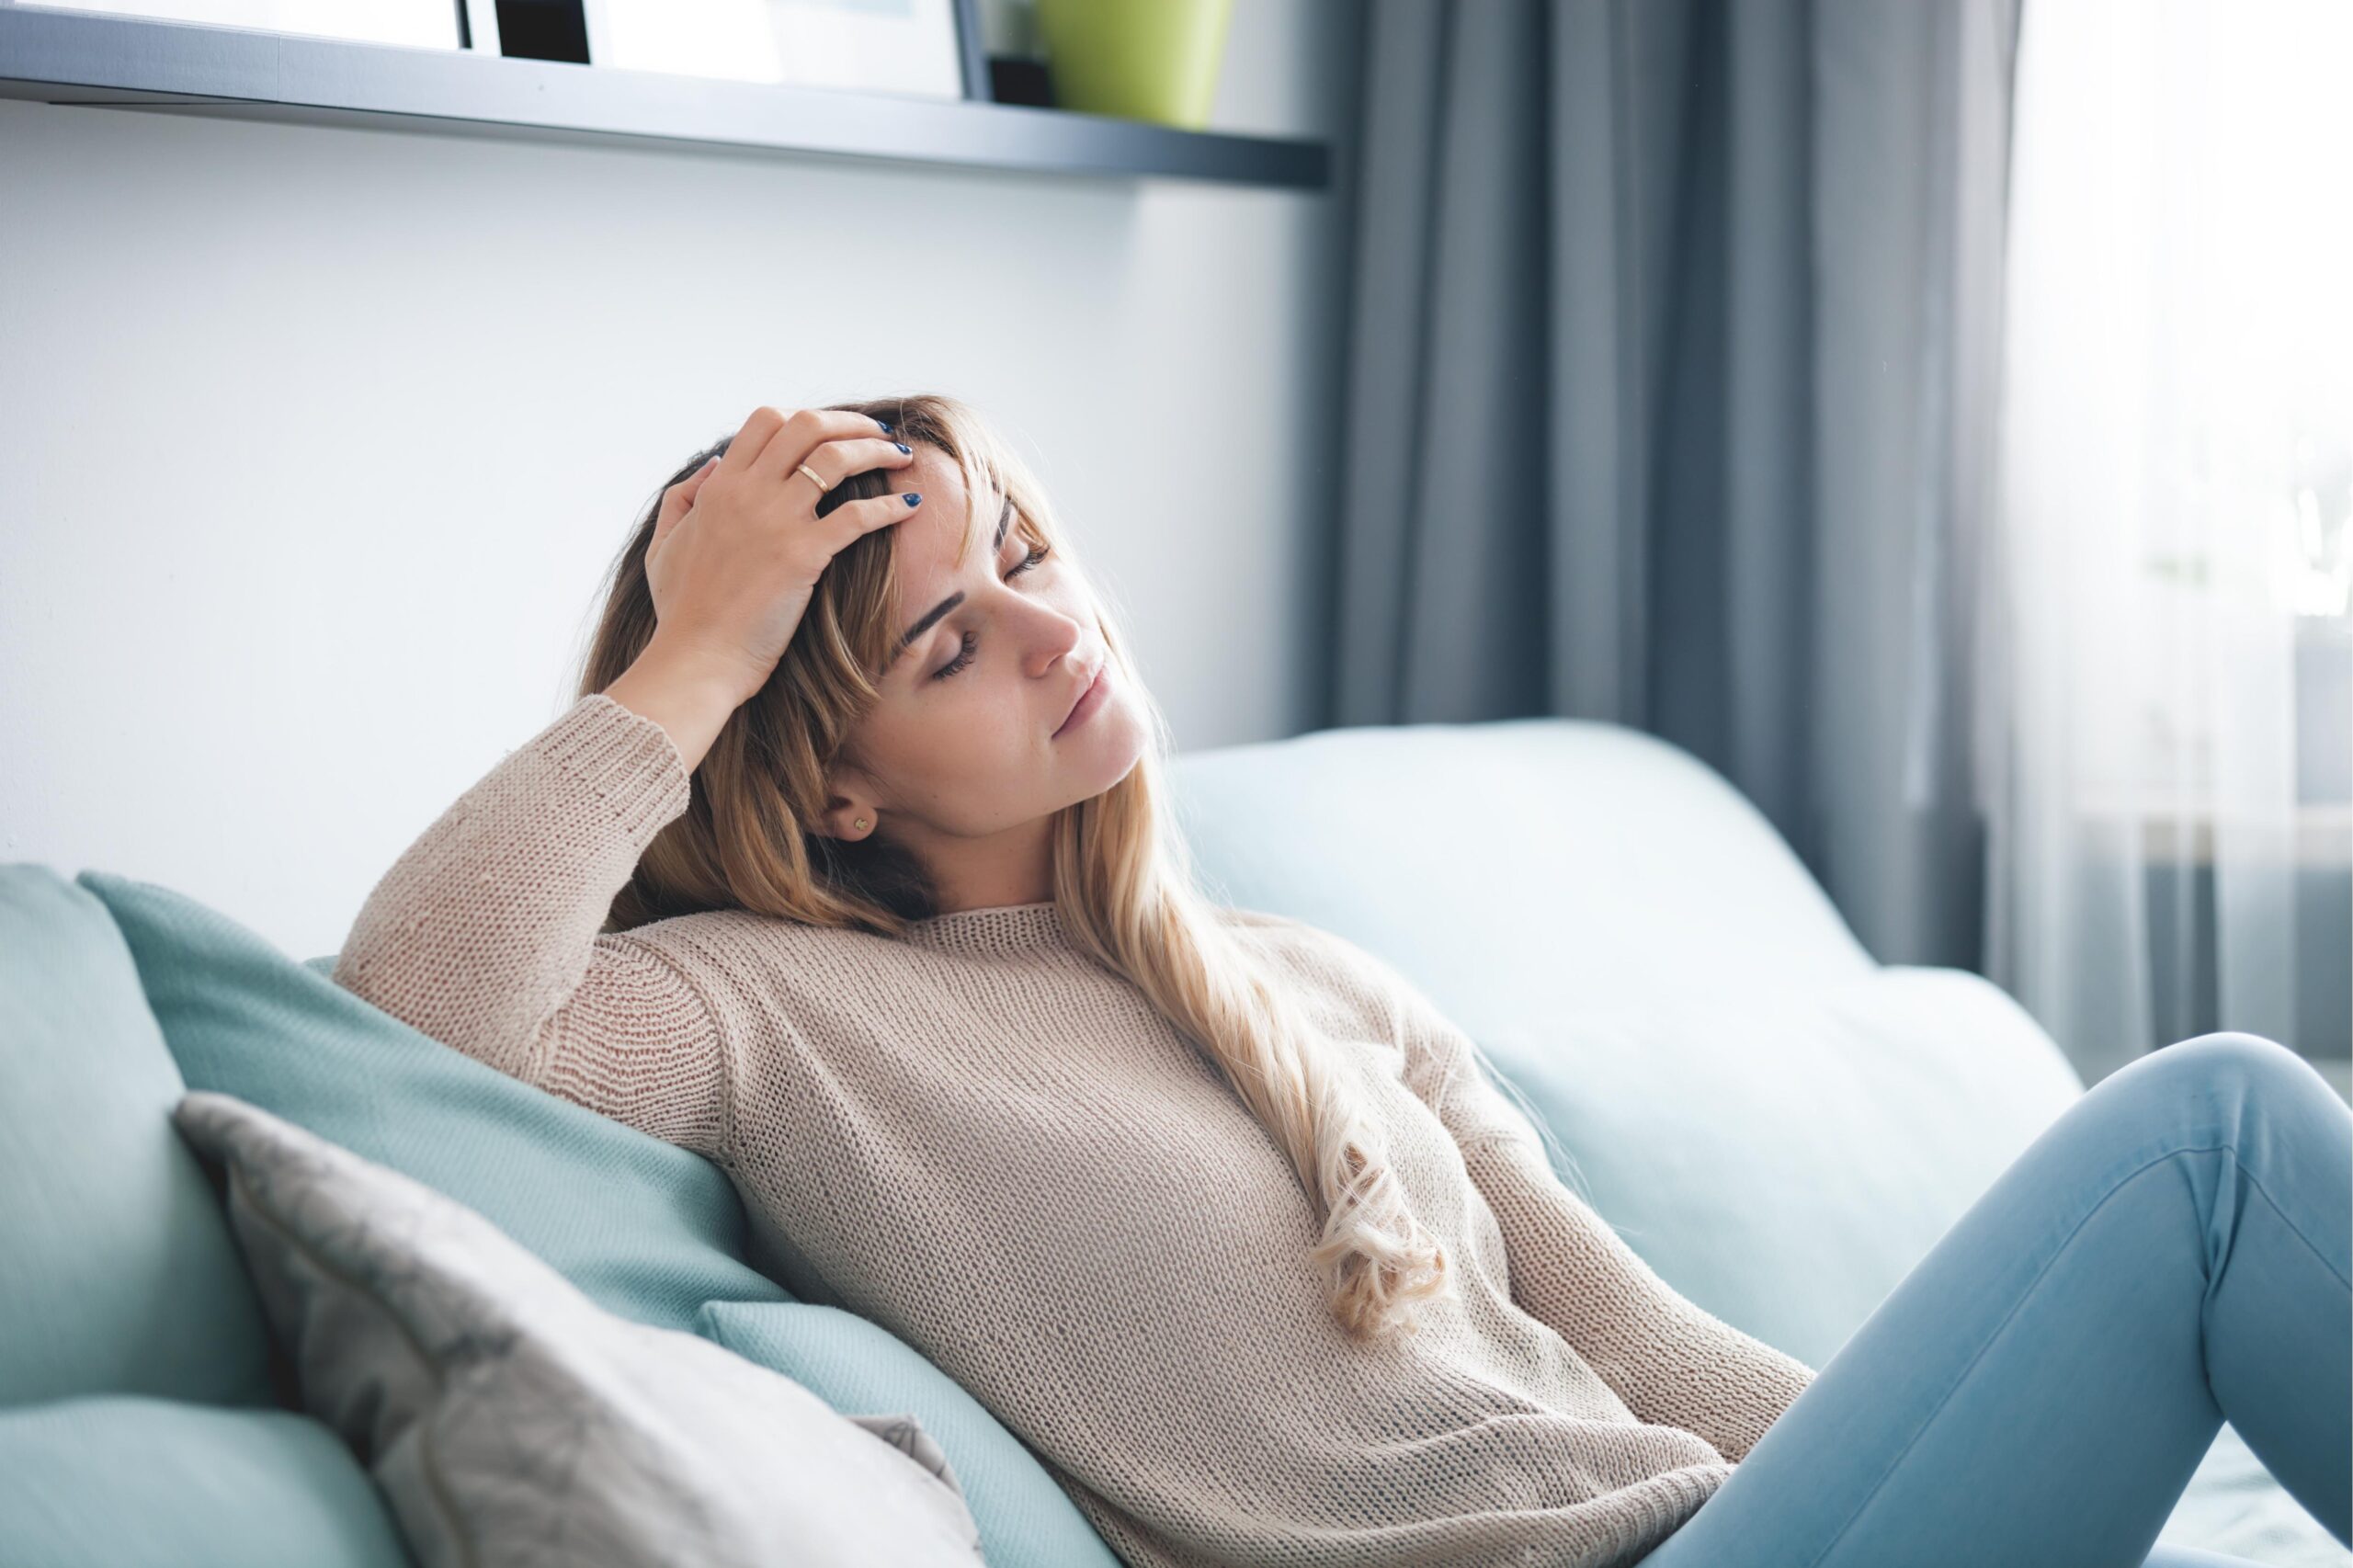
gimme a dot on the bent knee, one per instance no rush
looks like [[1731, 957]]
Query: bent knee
[[2252, 1059]]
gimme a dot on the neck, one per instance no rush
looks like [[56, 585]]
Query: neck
[[1009, 868]]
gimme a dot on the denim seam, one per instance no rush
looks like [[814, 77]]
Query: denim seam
[[2016, 1307], [2318, 1255]]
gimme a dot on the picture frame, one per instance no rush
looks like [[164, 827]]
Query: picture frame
[[408, 24], [478, 25], [927, 49]]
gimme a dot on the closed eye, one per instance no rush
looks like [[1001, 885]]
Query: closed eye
[[972, 641]]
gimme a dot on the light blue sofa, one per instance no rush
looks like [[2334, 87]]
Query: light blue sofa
[[1779, 1124]]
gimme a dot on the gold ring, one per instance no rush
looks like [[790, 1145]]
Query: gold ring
[[821, 485]]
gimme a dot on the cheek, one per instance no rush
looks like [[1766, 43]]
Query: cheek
[[972, 743]]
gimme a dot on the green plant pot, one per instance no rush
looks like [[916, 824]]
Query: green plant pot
[[1154, 60]]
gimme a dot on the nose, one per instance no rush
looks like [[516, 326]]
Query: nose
[[1060, 638]]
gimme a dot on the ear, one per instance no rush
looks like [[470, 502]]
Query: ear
[[850, 797]]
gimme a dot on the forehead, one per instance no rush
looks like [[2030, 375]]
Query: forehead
[[926, 547]]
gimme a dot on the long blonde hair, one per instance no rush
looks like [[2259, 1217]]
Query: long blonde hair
[[1123, 882]]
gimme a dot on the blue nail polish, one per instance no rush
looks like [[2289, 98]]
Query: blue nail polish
[[903, 446], [912, 497], [885, 424]]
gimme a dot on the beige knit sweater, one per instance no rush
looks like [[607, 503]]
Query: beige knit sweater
[[994, 1147]]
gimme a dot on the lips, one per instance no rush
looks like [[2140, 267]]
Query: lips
[[1079, 709]]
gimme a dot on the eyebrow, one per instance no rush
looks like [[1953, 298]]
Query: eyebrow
[[930, 618]]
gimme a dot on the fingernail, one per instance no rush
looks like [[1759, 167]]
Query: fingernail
[[912, 497], [885, 424], [903, 446]]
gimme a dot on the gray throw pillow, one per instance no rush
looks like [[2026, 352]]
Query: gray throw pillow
[[510, 1420]]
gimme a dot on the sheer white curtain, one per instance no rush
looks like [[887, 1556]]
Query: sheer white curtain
[[2164, 740]]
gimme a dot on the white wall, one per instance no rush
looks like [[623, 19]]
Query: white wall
[[315, 442]]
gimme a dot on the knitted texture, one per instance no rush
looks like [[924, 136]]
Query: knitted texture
[[997, 1149]]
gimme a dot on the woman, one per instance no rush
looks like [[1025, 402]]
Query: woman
[[851, 870]]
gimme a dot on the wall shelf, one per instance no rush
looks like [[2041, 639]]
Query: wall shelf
[[75, 57]]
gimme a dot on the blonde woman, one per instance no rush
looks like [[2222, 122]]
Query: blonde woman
[[852, 870]]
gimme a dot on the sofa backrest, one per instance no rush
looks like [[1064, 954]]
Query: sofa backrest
[[118, 1274], [1515, 865], [1777, 1123]]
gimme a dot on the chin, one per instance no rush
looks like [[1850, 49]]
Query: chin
[[1111, 744]]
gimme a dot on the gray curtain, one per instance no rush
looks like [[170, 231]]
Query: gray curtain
[[1669, 403]]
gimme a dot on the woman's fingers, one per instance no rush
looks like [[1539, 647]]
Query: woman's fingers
[[675, 502], [842, 457], [852, 519], [772, 445], [758, 429], [800, 437]]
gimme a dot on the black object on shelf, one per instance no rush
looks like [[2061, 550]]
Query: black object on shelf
[[81, 57], [1017, 79], [544, 30]]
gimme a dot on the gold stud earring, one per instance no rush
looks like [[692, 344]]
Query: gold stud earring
[[861, 822]]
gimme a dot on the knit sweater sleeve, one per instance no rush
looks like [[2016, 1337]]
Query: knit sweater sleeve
[[1672, 1362], [484, 934]]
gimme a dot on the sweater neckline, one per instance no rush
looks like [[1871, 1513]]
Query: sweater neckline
[[994, 928]]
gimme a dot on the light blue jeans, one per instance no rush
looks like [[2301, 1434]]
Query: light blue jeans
[[2176, 1250]]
